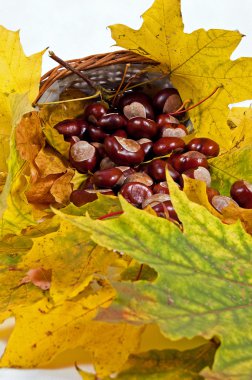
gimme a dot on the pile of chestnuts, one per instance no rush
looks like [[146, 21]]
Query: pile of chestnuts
[[126, 150]]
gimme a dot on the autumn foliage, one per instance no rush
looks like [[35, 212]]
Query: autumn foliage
[[74, 279]]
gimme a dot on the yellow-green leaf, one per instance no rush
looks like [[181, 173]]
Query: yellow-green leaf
[[15, 212], [230, 167], [18, 74], [204, 276]]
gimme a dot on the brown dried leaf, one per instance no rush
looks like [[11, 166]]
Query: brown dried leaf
[[29, 137]]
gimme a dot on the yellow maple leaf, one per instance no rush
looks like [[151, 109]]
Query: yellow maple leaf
[[197, 63], [15, 212], [240, 122], [18, 74]]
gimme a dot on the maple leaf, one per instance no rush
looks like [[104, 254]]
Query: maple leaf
[[41, 333], [196, 63], [204, 276], [165, 364], [74, 258], [15, 212], [240, 123], [18, 75]]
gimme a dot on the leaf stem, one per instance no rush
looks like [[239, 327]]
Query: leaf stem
[[178, 112], [111, 214], [98, 93], [73, 69], [120, 85]]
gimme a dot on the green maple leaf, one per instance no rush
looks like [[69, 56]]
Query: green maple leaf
[[204, 276]]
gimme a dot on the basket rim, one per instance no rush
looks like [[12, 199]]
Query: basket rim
[[90, 62]]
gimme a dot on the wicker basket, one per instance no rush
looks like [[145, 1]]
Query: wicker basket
[[103, 69]]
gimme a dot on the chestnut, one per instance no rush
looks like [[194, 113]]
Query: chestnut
[[140, 177], [219, 202], [167, 100], [99, 148], [204, 145], [83, 156], [94, 111], [147, 145], [96, 134], [112, 121], [156, 169], [120, 133], [71, 139], [178, 131], [71, 127], [135, 193], [106, 163], [241, 192], [126, 170], [211, 192], [81, 197], [134, 104], [166, 210], [107, 178], [188, 160], [166, 145], [166, 120], [199, 173], [139, 127], [161, 188], [123, 151], [154, 199]]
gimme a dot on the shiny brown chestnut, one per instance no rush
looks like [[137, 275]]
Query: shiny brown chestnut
[[107, 178], [156, 169], [204, 145], [188, 160], [211, 192], [135, 193], [166, 210], [219, 202], [94, 111], [166, 145], [72, 139], [140, 177], [95, 133], [166, 120], [200, 173], [178, 131], [124, 151], [140, 127], [83, 156], [167, 100], [161, 188], [126, 170], [99, 148], [154, 199], [120, 133], [81, 197], [71, 127], [112, 121], [134, 104], [106, 163], [241, 192], [147, 145]]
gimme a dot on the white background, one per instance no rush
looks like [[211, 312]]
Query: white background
[[77, 28]]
